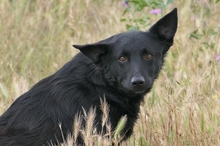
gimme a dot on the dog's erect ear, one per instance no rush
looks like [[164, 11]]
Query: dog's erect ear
[[165, 28], [94, 51]]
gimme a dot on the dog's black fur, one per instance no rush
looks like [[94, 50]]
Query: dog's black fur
[[121, 68]]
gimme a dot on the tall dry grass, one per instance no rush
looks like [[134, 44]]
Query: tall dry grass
[[183, 106]]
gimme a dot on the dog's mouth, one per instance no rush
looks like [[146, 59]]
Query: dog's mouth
[[137, 84], [133, 91], [136, 90], [139, 92], [133, 94]]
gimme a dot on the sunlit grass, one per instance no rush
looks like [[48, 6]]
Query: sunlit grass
[[183, 106]]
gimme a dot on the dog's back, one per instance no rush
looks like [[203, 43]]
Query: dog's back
[[34, 117]]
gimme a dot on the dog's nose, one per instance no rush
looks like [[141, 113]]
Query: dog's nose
[[137, 81]]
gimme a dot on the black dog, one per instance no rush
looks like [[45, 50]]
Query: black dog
[[121, 68]]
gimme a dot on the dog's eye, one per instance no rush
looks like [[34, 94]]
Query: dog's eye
[[149, 56], [123, 59]]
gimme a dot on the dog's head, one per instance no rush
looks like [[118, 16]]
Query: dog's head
[[132, 60]]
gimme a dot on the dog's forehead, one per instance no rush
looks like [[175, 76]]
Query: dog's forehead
[[137, 36], [137, 40]]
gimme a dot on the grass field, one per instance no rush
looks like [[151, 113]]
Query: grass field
[[183, 108]]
